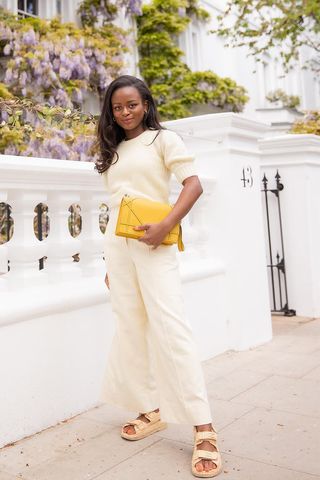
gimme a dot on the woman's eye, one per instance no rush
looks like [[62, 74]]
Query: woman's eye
[[132, 105]]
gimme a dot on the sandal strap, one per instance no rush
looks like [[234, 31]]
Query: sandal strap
[[206, 454], [209, 436], [152, 416], [136, 423]]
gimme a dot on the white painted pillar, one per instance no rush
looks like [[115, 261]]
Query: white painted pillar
[[61, 245], [225, 146], [24, 249], [91, 237], [297, 157], [11, 5]]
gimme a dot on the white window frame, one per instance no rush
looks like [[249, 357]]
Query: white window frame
[[24, 13]]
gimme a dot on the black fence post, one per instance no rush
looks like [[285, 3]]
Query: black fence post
[[280, 259]]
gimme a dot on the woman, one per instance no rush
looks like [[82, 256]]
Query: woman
[[153, 366]]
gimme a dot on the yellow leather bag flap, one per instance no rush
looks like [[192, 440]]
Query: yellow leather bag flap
[[134, 212]]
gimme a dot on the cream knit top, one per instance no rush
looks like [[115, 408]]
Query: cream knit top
[[145, 166]]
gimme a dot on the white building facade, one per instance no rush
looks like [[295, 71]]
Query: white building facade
[[205, 51]]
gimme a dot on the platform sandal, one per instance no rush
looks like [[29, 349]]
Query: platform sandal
[[144, 429], [198, 455]]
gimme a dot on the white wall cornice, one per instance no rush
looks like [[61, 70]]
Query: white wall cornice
[[33, 173], [290, 143]]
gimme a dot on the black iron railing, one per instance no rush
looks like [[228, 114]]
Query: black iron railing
[[277, 270]]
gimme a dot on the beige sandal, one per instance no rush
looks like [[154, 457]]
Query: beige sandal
[[144, 429], [198, 455]]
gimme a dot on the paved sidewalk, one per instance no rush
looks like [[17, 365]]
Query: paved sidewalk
[[266, 408]]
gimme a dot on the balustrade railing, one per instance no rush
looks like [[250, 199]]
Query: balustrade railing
[[53, 215], [35, 249]]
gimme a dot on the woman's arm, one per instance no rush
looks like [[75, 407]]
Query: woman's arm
[[156, 232]]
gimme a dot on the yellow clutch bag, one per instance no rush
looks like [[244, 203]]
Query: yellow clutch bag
[[134, 212]]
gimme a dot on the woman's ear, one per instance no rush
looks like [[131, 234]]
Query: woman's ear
[[146, 106]]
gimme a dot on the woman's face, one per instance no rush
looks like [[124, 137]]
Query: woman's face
[[128, 110]]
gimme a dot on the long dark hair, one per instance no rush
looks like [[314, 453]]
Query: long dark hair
[[109, 133]]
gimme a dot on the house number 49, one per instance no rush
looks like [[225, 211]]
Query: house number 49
[[247, 177]]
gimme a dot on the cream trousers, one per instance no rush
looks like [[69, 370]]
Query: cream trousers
[[153, 360]]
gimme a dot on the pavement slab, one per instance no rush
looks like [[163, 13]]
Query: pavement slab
[[41, 447], [224, 413], [276, 438], [165, 460], [239, 468], [6, 476], [314, 374], [298, 396], [236, 382], [86, 461]]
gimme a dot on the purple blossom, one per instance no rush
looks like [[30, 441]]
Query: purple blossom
[[62, 98], [11, 150], [77, 95], [64, 73], [23, 79], [5, 32], [4, 115], [7, 49], [134, 7], [8, 76], [29, 37]]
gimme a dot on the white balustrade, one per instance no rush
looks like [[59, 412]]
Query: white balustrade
[[26, 182]]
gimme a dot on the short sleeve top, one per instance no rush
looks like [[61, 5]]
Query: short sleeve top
[[145, 165]]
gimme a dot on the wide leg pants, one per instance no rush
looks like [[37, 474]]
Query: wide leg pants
[[153, 360]]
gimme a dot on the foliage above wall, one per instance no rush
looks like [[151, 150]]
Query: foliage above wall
[[93, 11], [58, 63], [175, 87], [51, 66], [264, 24], [309, 124], [42, 131], [280, 96]]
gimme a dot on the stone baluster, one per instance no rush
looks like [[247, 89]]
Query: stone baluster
[[3, 253], [24, 249], [3, 268], [61, 245], [92, 239]]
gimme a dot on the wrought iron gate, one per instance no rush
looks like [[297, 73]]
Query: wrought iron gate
[[277, 271]]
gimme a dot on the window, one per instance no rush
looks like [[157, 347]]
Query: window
[[27, 8]]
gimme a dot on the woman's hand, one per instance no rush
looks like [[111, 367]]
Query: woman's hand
[[106, 281], [155, 233]]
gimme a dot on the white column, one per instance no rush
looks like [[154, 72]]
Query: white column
[[61, 245], [3, 268], [3, 253], [24, 249], [92, 239], [225, 146], [47, 9], [10, 5], [297, 157]]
